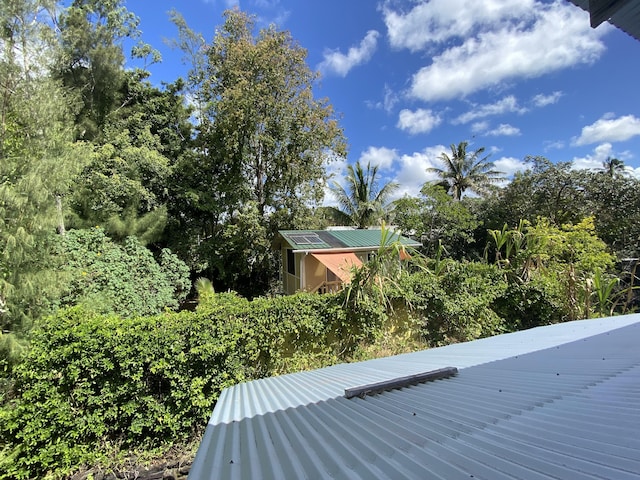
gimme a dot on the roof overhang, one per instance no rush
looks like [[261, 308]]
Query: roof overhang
[[624, 14], [339, 263]]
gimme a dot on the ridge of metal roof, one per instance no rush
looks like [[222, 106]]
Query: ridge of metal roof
[[552, 402]]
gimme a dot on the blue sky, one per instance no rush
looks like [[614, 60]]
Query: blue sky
[[408, 78]]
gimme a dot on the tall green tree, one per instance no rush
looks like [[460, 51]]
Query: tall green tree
[[91, 60], [613, 166], [362, 203], [614, 202], [37, 164], [122, 188], [262, 140], [464, 171], [126, 185], [546, 189], [439, 221]]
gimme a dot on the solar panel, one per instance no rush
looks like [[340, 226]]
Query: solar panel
[[305, 238]]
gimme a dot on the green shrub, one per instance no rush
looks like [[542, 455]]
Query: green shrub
[[94, 385], [298, 331], [528, 305], [123, 279], [457, 305]]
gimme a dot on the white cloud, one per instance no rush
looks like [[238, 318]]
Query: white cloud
[[228, 4], [509, 166], [340, 63], [412, 170], [544, 100], [389, 101], [419, 121], [440, 20], [609, 129], [508, 104], [266, 3], [553, 145], [594, 161], [634, 172], [479, 127], [381, 156], [548, 37], [600, 154], [504, 130]]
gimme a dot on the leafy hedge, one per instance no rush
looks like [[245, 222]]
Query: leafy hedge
[[94, 384], [456, 305], [123, 279]]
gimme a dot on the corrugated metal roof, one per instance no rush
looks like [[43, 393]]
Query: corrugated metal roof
[[333, 239], [624, 14], [552, 402], [368, 238]]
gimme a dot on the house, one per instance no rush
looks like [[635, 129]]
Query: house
[[321, 260], [558, 401]]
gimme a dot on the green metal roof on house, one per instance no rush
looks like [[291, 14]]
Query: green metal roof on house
[[335, 239]]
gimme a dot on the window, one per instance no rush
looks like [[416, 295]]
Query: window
[[291, 262]]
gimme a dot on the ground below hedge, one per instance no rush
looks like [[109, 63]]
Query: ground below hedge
[[172, 467]]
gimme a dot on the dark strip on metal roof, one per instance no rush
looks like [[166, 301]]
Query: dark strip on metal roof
[[400, 382], [328, 238]]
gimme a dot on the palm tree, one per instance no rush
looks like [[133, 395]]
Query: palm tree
[[361, 203], [613, 167], [466, 171]]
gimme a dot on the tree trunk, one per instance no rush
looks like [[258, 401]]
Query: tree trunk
[[61, 230]]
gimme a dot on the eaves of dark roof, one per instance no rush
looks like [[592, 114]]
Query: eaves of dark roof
[[624, 14]]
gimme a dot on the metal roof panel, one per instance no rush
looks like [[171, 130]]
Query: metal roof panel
[[336, 239], [552, 402]]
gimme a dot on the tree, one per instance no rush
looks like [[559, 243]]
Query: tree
[[126, 185], [362, 203], [262, 141], [467, 171], [546, 189], [439, 221], [605, 197], [563, 194], [91, 60], [37, 165], [613, 167], [122, 188]]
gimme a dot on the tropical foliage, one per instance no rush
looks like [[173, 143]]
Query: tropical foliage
[[362, 202], [464, 171], [124, 279], [258, 161]]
